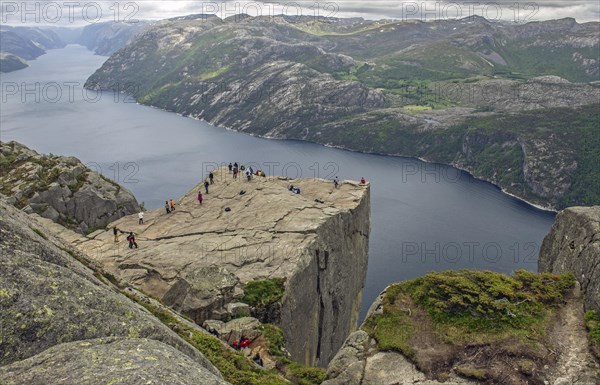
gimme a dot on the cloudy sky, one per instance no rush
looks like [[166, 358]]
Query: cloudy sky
[[75, 12]]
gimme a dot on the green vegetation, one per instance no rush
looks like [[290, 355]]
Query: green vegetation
[[475, 306], [469, 318], [264, 292], [592, 322]]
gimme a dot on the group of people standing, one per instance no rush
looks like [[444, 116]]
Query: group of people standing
[[130, 237], [170, 206]]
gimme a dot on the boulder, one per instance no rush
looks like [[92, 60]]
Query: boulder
[[237, 309], [124, 361]]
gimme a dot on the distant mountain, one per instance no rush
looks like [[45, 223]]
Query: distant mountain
[[106, 38], [19, 43], [514, 104]]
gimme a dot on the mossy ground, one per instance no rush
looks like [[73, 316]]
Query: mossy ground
[[592, 322], [264, 292], [460, 320]]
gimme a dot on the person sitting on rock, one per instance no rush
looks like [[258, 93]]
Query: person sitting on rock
[[363, 181], [167, 207], [257, 360], [235, 345], [244, 342]]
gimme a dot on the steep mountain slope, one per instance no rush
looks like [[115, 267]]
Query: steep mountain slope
[[62, 322], [106, 38], [18, 44], [467, 92]]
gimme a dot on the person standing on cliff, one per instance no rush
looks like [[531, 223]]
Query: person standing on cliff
[[211, 177], [230, 167], [206, 185], [336, 182], [116, 233], [235, 172], [167, 207], [131, 239], [141, 218], [200, 197], [172, 205]]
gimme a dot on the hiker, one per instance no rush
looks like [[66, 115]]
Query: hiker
[[141, 218], [167, 207], [172, 205], [211, 177], [131, 239], [235, 165], [206, 185], [200, 197], [213, 331], [248, 175], [116, 233], [363, 181], [251, 170], [244, 342], [230, 167], [336, 182], [257, 360], [235, 172]]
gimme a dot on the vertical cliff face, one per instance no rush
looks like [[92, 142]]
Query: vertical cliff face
[[328, 286], [573, 245]]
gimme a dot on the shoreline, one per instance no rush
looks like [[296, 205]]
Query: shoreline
[[538, 206]]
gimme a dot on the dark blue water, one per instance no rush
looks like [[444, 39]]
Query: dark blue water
[[424, 217]]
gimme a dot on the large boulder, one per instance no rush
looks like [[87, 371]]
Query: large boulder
[[115, 361]]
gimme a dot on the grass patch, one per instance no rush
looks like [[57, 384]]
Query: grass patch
[[264, 292], [592, 322], [462, 320]]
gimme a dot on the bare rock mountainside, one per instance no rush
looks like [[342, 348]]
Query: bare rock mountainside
[[18, 44], [252, 248], [573, 245], [514, 104], [62, 189], [64, 323]]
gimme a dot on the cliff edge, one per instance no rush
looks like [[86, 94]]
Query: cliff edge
[[573, 245], [200, 259]]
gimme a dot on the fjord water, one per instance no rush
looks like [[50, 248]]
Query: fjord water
[[424, 217]]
